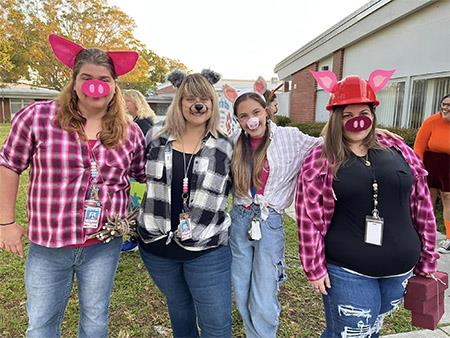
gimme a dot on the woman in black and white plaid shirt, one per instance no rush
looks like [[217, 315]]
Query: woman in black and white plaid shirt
[[184, 223]]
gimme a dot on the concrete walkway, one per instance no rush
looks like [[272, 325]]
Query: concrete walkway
[[444, 325]]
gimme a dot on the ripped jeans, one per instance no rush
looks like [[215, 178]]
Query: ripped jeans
[[257, 269], [356, 306]]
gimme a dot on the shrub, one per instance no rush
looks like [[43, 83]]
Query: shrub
[[310, 128], [282, 121]]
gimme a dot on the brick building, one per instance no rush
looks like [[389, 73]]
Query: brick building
[[410, 36]]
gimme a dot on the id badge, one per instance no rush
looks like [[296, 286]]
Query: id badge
[[92, 214], [254, 230], [374, 231], [185, 227]]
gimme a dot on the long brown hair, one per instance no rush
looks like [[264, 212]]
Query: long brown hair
[[114, 123], [336, 147], [196, 85], [244, 159]]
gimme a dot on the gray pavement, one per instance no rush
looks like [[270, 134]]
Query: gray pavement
[[444, 324]]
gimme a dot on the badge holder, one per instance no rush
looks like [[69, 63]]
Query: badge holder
[[185, 226], [254, 230], [92, 210], [374, 224]]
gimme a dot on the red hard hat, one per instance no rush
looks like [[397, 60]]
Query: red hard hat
[[351, 90]]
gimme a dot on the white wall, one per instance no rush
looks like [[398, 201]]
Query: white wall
[[417, 44]]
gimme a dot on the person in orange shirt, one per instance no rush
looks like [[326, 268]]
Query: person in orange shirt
[[433, 146]]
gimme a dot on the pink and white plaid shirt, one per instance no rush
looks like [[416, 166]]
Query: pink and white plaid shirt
[[60, 174], [314, 205]]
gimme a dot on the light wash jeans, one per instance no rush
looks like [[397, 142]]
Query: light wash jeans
[[198, 291], [357, 305], [49, 276], [257, 269]]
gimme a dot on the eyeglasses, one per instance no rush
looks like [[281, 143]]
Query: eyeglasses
[[445, 105]]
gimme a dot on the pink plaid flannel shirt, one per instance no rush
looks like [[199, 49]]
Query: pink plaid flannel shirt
[[60, 174], [314, 205]]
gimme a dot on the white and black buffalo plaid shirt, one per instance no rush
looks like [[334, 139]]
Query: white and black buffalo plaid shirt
[[209, 188]]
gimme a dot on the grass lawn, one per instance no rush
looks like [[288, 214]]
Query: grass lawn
[[138, 308]]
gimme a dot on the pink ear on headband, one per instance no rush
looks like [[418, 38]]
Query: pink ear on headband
[[379, 78], [230, 93], [124, 61], [326, 79], [260, 85], [65, 50]]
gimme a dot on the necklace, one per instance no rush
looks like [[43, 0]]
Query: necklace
[[365, 159]]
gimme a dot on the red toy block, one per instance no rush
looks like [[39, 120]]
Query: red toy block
[[423, 288], [427, 321], [424, 306]]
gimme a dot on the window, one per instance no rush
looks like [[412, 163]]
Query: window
[[425, 97], [18, 104], [389, 112]]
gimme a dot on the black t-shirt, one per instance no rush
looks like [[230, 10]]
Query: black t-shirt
[[344, 241], [173, 250]]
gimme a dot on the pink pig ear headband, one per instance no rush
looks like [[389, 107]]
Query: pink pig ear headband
[[66, 51], [259, 87]]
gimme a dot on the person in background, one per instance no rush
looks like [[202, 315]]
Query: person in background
[[144, 117], [82, 150], [364, 212], [184, 221], [433, 147], [272, 100], [138, 107]]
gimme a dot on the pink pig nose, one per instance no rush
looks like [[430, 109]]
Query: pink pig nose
[[95, 88], [358, 123]]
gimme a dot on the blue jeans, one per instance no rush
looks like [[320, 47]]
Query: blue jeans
[[357, 305], [257, 269], [49, 276], [197, 291]]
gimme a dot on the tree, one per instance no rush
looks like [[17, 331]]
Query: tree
[[27, 24]]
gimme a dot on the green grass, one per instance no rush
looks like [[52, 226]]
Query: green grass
[[138, 308]]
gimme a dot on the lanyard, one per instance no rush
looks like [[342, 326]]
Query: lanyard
[[366, 161], [185, 193]]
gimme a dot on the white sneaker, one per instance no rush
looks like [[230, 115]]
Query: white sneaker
[[444, 246]]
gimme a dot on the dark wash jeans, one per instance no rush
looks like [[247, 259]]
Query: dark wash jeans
[[197, 291]]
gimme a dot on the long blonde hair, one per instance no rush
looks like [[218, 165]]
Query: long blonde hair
[[336, 148], [114, 123], [143, 108], [244, 159], [193, 85]]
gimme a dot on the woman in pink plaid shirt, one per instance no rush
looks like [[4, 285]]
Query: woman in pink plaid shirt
[[82, 150], [364, 212]]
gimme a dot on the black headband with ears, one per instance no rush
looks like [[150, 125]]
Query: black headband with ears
[[211, 76], [177, 76]]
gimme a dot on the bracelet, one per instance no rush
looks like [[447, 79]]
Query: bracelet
[[3, 224]]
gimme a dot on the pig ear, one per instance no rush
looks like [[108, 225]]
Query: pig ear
[[379, 78], [326, 79], [124, 61], [230, 93], [65, 50], [260, 85]]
